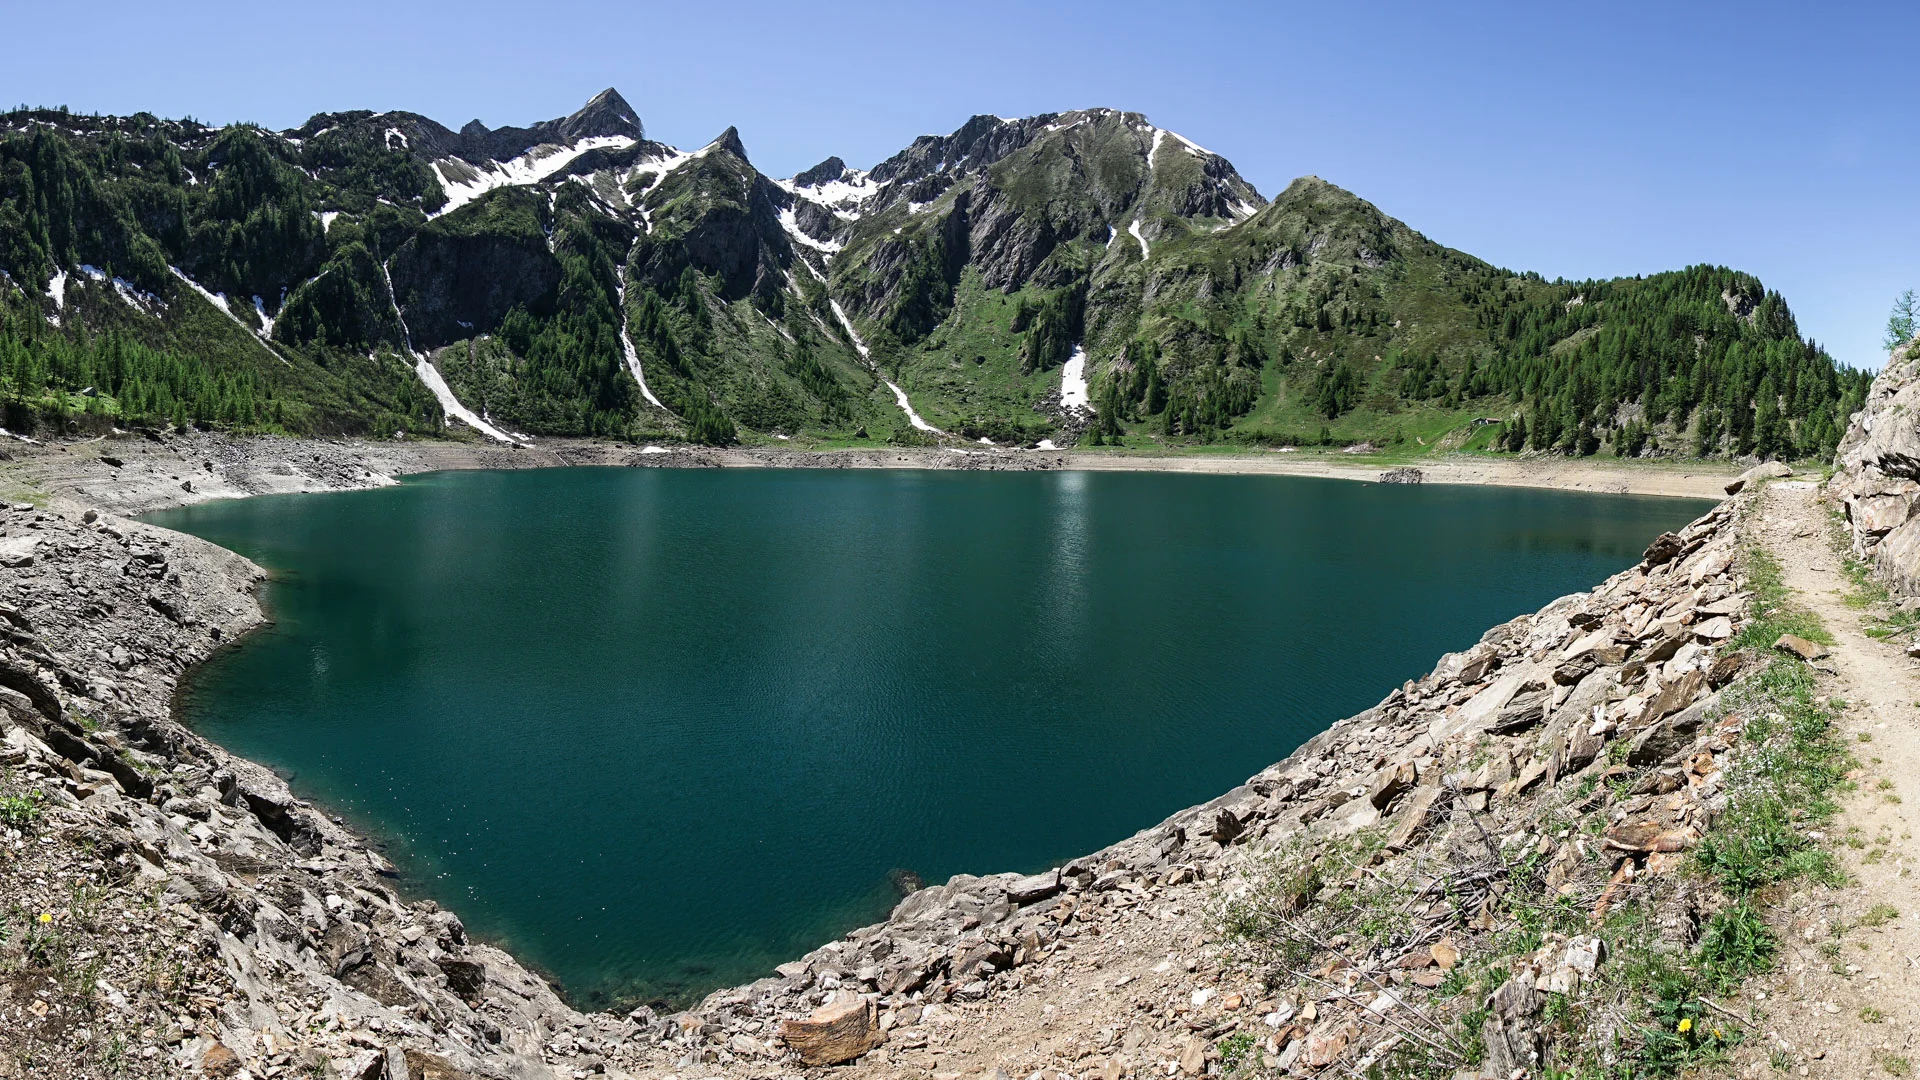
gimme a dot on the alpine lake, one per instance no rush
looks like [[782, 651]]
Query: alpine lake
[[659, 730]]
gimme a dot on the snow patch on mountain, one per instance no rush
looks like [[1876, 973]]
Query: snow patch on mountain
[[218, 300], [633, 355], [1193, 148], [845, 196], [57, 292], [465, 182], [135, 298], [791, 223], [450, 405], [659, 167], [1134, 231], [436, 383], [899, 395], [859, 343], [138, 299], [1073, 381]]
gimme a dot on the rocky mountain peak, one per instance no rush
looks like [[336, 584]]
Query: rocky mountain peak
[[729, 140], [978, 143], [826, 172], [605, 114]]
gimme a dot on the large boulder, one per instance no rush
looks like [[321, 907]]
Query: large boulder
[[1766, 470], [839, 1031]]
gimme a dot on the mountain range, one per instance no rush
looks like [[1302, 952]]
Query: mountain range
[[1080, 276]]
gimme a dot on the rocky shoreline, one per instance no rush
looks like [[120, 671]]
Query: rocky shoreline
[[199, 919], [187, 912]]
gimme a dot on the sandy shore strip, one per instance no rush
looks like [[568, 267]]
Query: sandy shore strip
[[133, 474], [1692, 479]]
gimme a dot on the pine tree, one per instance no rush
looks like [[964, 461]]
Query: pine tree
[[1904, 322], [1768, 431]]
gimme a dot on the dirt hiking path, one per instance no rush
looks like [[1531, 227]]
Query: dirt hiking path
[[1844, 998]]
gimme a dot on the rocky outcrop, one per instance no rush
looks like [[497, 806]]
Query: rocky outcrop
[[720, 216], [829, 170], [1878, 472], [978, 144], [453, 280]]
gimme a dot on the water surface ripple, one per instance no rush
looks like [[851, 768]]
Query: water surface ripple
[[659, 730]]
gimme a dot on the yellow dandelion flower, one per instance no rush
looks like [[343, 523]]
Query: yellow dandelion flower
[[46, 916], [1686, 1025]]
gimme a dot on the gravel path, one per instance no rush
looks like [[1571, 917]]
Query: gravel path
[[1845, 997]]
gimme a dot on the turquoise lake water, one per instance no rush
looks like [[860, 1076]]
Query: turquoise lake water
[[658, 730]]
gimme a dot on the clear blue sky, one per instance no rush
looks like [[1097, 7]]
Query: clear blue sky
[[1593, 140]]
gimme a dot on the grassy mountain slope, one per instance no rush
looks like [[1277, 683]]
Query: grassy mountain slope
[[295, 280]]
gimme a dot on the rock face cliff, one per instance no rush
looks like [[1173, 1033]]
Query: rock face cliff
[[1878, 477]]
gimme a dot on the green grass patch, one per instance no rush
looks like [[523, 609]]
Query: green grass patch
[[1772, 611], [1879, 915], [1736, 943], [21, 811], [1780, 786]]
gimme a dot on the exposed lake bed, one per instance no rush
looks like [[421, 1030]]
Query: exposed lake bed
[[658, 731]]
